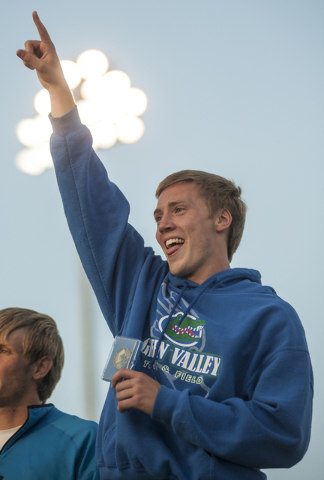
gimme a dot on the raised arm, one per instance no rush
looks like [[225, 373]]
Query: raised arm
[[40, 55], [111, 251]]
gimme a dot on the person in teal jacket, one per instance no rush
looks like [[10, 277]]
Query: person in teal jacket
[[223, 385], [38, 441]]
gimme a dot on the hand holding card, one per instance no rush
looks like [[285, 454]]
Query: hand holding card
[[124, 354]]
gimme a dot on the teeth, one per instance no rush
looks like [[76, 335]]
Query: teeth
[[173, 240]]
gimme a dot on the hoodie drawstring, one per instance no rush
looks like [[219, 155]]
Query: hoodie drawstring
[[211, 280], [167, 323]]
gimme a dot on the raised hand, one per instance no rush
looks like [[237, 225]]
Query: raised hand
[[137, 390], [40, 55]]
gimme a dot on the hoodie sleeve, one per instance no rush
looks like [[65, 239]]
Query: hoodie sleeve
[[270, 428], [111, 250]]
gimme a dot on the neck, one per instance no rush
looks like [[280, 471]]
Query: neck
[[200, 276], [12, 417]]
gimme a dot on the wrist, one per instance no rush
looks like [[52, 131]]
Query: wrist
[[62, 100]]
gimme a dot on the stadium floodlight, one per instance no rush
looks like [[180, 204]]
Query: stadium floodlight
[[42, 102], [107, 104], [71, 73], [92, 64], [130, 129]]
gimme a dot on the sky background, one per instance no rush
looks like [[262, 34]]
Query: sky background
[[234, 88]]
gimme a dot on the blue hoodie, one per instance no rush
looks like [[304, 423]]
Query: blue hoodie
[[231, 356], [51, 445]]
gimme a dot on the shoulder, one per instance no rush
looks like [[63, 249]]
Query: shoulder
[[76, 428], [279, 323], [272, 319], [263, 299]]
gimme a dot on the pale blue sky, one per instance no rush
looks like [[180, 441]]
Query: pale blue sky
[[234, 88]]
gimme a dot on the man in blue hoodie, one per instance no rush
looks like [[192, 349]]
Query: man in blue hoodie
[[223, 386], [37, 441]]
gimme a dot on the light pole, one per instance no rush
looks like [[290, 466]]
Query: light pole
[[87, 342]]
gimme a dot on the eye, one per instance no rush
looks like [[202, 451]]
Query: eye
[[179, 209], [158, 218]]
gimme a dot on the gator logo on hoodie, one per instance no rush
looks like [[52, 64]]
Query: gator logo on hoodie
[[187, 334]]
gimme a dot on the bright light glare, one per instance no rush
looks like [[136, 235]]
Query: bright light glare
[[109, 107], [136, 102], [92, 64], [113, 107], [104, 135], [43, 128], [32, 131], [88, 111], [42, 102], [71, 73], [130, 129], [90, 89], [25, 131], [115, 80], [34, 161]]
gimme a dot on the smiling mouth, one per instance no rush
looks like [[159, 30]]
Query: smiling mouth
[[172, 242], [173, 245]]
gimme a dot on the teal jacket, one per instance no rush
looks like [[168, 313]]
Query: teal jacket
[[51, 445]]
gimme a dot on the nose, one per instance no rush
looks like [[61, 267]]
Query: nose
[[165, 224]]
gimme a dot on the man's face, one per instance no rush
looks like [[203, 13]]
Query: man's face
[[16, 377], [186, 232]]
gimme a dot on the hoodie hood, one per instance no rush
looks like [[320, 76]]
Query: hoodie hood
[[221, 279], [179, 324]]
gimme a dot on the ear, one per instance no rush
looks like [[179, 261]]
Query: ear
[[223, 220], [42, 367]]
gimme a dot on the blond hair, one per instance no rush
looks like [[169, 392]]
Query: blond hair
[[218, 192], [42, 338]]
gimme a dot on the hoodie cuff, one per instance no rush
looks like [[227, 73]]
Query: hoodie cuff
[[67, 124], [165, 405]]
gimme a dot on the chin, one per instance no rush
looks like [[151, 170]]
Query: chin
[[178, 271], [175, 271]]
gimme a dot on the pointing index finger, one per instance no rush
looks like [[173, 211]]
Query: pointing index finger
[[43, 33]]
